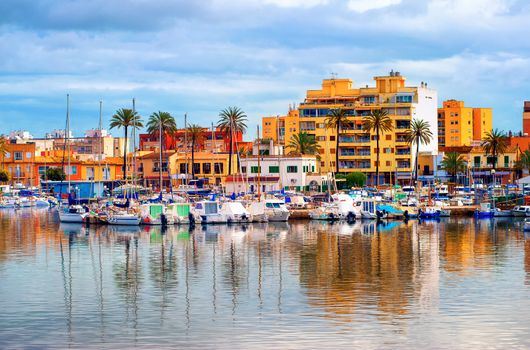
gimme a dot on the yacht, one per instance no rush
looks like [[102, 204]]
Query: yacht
[[155, 214], [521, 210], [74, 213], [235, 212], [258, 211], [485, 210], [180, 212], [276, 210], [208, 212], [123, 218]]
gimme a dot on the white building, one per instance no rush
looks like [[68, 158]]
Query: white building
[[273, 174], [20, 135], [58, 134]]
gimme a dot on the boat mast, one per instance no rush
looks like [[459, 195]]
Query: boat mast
[[101, 146], [160, 153], [278, 140], [134, 144], [186, 145], [68, 139], [259, 169]]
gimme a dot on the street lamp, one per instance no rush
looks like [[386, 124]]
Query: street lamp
[[493, 177]]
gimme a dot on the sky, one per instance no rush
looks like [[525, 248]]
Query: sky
[[199, 57]]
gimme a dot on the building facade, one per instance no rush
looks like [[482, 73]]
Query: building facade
[[459, 125], [357, 148], [276, 172]]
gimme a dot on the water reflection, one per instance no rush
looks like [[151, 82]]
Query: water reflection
[[215, 286]]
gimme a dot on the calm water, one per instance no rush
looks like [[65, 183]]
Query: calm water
[[453, 284]]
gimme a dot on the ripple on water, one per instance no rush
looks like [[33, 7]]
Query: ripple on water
[[453, 284]]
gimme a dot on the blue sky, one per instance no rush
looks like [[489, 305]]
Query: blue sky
[[202, 56]]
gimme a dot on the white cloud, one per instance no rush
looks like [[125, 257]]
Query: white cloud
[[296, 3], [362, 6]]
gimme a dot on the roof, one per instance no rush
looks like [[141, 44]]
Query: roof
[[156, 155]]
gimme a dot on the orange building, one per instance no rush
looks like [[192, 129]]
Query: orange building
[[18, 161], [459, 125]]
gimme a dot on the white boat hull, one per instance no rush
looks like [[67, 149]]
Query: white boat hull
[[278, 216], [71, 217], [124, 220]]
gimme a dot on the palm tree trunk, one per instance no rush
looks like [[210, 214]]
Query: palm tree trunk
[[337, 152], [125, 156], [377, 158], [416, 162]]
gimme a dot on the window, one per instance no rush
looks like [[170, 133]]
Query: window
[[255, 169], [332, 150], [388, 150], [312, 168], [321, 138], [388, 137], [18, 155], [196, 168], [321, 125], [292, 169], [387, 163], [274, 169], [322, 164], [244, 169], [506, 161], [404, 99], [72, 170], [206, 168], [218, 168], [332, 138], [183, 168], [28, 155]]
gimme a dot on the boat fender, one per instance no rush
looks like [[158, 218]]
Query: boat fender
[[163, 219], [229, 221], [244, 217], [406, 214], [331, 216], [191, 219], [350, 217]]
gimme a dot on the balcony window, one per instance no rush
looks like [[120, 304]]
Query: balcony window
[[206, 168], [292, 169], [404, 99], [196, 168], [306, 126], [18, 155]]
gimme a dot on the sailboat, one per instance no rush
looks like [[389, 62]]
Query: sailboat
[[73, 212]]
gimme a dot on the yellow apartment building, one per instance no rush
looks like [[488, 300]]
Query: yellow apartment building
[[177, 166], [357, 148], [459, 125]]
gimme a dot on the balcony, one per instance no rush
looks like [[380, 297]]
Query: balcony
[[157, 169]]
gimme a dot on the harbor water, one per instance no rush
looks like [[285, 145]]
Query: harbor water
[[455, 283]]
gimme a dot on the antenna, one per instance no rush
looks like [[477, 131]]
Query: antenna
[[333, 75]]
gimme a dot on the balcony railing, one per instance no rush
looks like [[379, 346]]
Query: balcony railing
[[157, 169]]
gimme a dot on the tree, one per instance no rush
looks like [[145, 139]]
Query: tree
[[169, 126], [524, 161], [378, 121], [419, 133], [4, 175], [231, 121], [3, 148], [356, 179], [453, 163], [302, 143], [494, 143], [125, 118], [196, 134], [335, 119], [55, 174]]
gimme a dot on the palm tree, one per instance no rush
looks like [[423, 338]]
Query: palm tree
[[169, 126], [335, 119], [196, 133], [495, 142], [164, 124], [232, 120], [125, 118], [378, 121], [302, 143], [419, 132], [3, 148], [524, 161], [453, 163]]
